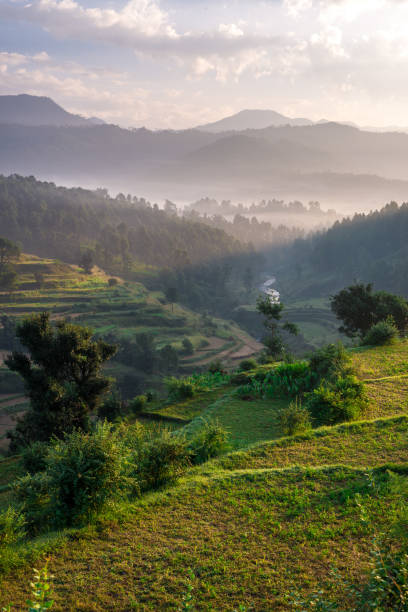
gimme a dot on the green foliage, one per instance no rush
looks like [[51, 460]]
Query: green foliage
[[289, 379], [216, 367], [272, 311], [34, 457], [179, 389], [336, 402], [138, 403], [211, 441], [41, 591], [294, 419], [247, 364], [330, 362], [111, 408], [83, 472], [384, 332], [161, 460], [359, 309], [62, 377], [12, 526], [240, 378], [32, 494], [188, 348]]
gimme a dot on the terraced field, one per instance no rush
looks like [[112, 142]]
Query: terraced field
[[122, 311]]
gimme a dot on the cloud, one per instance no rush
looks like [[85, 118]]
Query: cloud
[[141, 25]]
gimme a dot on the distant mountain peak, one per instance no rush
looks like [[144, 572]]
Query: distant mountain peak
[[252, 119], [24, 109]]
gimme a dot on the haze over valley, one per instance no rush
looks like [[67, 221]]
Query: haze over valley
[[203, 305]]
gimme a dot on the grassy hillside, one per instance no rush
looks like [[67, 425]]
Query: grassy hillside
[[120, 311], [253, 526]]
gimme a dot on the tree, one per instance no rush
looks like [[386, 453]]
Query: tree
[[272, 312], [169, 359], [62, 378], [359, 309], [172, 296], [87, 261], [8, 252]]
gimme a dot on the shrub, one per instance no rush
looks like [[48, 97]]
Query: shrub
[[188, 348], [34, 457], [331, 403], [85, 472], [211, 441], [32, 493], [138, 403], [384, 332], [179, 389], [291, 379], [330, 362], [240, 379], [216, 366], [294, 419], [12, 526], [111, 408], [161, 460], [203, 343], [112, 282], [247, 364]]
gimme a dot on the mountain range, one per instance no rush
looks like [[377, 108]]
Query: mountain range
[[40, 111], [336, 163]]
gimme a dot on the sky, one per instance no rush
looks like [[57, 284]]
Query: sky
[[180, 63]]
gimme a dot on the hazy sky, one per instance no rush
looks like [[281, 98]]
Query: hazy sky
[[178, 63]]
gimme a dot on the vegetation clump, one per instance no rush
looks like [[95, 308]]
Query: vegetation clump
[[335, 402], [359, 308], [384, 332], [62, 377], [294, 419], [83, 472]]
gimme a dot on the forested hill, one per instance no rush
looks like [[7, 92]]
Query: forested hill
[[368, 247], [53, 221]]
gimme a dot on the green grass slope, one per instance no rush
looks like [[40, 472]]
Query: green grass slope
[[254, 525]]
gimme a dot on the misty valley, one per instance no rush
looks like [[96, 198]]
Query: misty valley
[[203, 363]]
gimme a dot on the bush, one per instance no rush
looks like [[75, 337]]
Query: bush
[[179, 389], [240, 379], [294, 419], [12, 527], [188, 348], [343, 400], [384, 332], [34, 457], [330, 362], [112, 282], [216, 366], [289, 379], [161, 460], [83, 472], [247, 364], [32, 493], [138, 403], [211, 441], [111, 408]]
